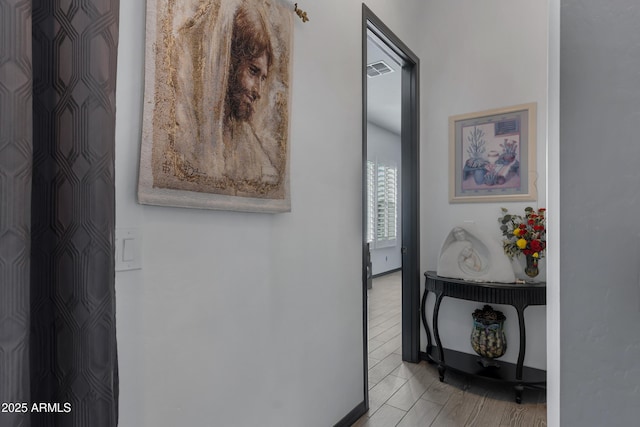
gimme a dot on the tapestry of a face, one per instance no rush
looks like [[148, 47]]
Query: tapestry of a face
[[217, 98]]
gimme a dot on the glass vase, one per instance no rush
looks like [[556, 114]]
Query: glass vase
[[531, 269]]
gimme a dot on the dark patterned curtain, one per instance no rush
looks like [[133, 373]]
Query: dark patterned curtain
[[58, 360]]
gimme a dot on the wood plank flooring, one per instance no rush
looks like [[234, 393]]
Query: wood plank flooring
[[411, 395]]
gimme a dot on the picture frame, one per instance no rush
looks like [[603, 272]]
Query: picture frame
[[216, 118], [492, 155]]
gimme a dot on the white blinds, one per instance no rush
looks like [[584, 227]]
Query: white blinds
[[371, 188], [382, 192]]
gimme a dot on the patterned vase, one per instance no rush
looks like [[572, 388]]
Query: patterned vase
[[487, 336]]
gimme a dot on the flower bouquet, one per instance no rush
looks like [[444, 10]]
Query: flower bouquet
[[525, 235]]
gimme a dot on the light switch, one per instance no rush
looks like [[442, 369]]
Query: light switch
[[128, 249]]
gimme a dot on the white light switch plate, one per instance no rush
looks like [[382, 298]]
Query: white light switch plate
[[128, 249]]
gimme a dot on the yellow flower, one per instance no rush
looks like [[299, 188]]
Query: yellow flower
[[521, 243], [536, 255], [517, 232]]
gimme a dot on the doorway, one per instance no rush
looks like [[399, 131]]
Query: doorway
[[373, 29]]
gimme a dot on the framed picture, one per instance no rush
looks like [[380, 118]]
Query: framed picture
[[217, 105], [493, 155]]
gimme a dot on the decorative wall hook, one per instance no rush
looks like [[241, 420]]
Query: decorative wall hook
[[301, 13]]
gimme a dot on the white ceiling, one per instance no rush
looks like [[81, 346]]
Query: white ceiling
[[383, 92]]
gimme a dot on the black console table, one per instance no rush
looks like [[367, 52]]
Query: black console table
[[519, 296]]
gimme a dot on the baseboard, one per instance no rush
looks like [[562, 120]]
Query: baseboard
[[375, 276], [353, 416]]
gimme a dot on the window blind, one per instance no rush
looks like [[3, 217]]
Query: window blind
[[382, 193]]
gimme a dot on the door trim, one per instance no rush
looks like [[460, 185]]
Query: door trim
[[410, 178]]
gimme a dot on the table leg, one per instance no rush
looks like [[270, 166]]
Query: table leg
[[436, 335], [523, 347], [423, 312], [523, 343], [519, 389]]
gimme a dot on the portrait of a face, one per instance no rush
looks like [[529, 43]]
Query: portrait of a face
[[246, 86], [220, 119], [251, 57]]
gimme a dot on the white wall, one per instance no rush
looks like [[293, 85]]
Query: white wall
[[600, 188], [385, 147], [253, 319], [553, 222], [477, 56]]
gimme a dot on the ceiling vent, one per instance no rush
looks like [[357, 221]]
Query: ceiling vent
[[378, 68]]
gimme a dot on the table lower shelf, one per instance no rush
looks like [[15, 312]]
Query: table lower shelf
[[469, 364]]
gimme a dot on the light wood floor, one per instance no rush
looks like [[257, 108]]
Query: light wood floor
[[411, 395]]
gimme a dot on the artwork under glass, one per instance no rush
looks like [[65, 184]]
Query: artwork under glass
[[493, 155]]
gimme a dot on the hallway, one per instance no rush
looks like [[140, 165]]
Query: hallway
[[410, 395]]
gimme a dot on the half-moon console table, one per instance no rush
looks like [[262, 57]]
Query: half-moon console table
[[519, 296]]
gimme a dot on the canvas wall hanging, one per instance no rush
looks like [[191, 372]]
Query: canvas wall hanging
[[217, 105]]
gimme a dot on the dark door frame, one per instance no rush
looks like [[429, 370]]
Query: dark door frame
[[410, 155]]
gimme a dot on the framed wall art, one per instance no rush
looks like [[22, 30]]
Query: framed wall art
[[217, 105], [493, 155]]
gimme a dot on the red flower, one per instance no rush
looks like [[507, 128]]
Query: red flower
[[531, 222], [522, 226], [536, 245], [538, 228]]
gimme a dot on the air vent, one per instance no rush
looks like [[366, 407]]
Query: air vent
[[379, 68]]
